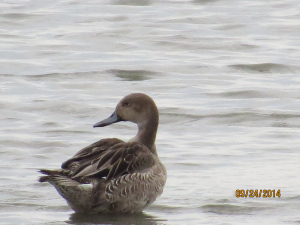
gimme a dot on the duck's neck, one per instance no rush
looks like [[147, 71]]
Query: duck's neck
[[147, 134]]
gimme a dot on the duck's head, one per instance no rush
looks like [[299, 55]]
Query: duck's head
[[137, 108], [140, 109]]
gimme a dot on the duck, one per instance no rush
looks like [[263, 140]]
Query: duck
[[111, 175]]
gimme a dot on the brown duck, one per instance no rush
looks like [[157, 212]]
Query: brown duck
[[112, 175]]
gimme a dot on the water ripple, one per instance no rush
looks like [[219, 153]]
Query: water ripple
[[133, 75], [231, 209], [266, 67]]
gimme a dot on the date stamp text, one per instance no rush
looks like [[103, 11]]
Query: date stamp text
[[264, 193]]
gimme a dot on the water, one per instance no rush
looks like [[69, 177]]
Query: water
[[224, 75]]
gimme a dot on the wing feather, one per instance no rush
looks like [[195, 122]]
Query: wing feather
[[88, 153], [109, 159]]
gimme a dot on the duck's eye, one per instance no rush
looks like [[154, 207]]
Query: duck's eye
[[126, 104]]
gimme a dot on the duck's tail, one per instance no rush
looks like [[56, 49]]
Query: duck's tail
[[79, 196], [49, 173]]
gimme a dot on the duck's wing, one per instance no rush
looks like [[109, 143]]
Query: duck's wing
[[109, 159], [90, 152]]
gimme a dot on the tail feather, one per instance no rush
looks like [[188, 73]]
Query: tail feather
[[79, 196], [49, 174], [82, 194], [44, 179]]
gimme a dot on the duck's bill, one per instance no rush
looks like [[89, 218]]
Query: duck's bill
[[114, 118]]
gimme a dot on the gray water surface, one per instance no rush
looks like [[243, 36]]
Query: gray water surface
[[224, 75]]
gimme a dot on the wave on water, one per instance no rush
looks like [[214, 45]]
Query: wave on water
[[246, 94], [275, 119], [266, 67], [133, 75], [229, 209]]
